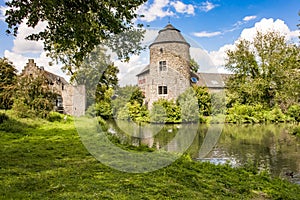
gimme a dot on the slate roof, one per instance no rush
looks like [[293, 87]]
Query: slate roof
[[169, 34], [145, 70], [53, 77], [212, 80]]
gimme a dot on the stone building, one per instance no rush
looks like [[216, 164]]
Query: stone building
[[70, 100], [168, 74]]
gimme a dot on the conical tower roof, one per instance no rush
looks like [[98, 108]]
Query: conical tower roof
[[169, 34]]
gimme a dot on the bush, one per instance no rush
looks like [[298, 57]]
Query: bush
[[189, 106], [21, 109], [55, 116], [102, 123], [296, 131], [134, 111], [245, 114], [275, 115], [91, 112], [103, 109], [165, 111], [294, 112], [3, 117]]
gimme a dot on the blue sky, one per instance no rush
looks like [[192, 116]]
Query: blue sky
[[213, 24]]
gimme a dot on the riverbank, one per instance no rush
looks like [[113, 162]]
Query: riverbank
[[46, 160]]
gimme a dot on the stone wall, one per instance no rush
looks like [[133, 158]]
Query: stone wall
[[74, 100], [177, 75]]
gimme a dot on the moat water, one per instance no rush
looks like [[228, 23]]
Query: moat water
[[268, 147]]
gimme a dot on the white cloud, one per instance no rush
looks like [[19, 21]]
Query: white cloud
[[249, 18], [207, 6], [183, 8], [158, 9], [265, 25], [21, 45], [207, 34], [20, 61], [219, 57], [2, 12]]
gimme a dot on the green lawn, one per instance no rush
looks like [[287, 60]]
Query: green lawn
[[46, 160]]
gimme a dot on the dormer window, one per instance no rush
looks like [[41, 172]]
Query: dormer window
[[162, 66]]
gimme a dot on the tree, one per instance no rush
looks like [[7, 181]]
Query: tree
[[266, 71], [74, 28], [33, 96], [107, 80], [204, 100], [91, 72], [7, 77]]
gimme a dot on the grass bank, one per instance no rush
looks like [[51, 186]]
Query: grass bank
[[46, 160]]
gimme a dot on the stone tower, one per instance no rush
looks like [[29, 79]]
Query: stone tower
[[168, 74]]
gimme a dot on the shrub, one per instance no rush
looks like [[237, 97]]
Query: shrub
[[275, 115], [102, 123], [189, 106], [134, 111], [250, 114], [294, 112], [103, 109], [296, 131], [55, 116], [3, 117], [165, 111], [91, 112], [21, 109]]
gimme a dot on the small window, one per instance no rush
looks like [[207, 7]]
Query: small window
[[162, 90], [162, 66]]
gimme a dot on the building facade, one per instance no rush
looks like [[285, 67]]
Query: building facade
[[168, 74], [70, 100]]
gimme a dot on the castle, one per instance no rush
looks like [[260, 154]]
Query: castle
[[169, 74], [70, 100]]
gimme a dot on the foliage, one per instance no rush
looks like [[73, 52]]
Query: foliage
[[255, 114], [266, 71], [50, 162], [57, 117], [7, 77], [204, 100], [164, 111], [188, 104], [93, 71], [218, 103], [128, 104], [296, 131], [3, 117], [137, 96], [33, 97], [103, 109], [294, 112], [245, 114], [74, 28], [194, 66], [123, 95], [108, 80], [134, 111]]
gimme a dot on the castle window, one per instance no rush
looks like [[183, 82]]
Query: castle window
[[162, 66], [162, 90]]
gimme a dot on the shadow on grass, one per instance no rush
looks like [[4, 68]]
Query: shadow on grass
[[15, 126]]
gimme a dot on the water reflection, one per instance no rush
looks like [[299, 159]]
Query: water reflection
[[269, 147]]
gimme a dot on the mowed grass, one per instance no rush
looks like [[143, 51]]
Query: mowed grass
[[46, 160]]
